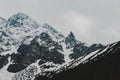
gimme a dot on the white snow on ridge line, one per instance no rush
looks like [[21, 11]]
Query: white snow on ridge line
[[113, 44], [82, 59], [103, 50], [90, 56]]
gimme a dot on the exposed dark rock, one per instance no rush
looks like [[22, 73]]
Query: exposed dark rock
[[16, 67], [81, 50], [3, 61]]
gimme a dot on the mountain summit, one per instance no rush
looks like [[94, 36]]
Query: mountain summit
[[21, 20]]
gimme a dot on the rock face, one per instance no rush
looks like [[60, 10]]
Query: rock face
[[80, 50], [3, 61], [100, 65], [38, 49]]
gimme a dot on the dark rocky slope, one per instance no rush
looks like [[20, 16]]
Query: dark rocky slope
[[105, 66]]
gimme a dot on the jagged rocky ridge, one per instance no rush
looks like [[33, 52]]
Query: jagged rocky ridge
[[28, 49]]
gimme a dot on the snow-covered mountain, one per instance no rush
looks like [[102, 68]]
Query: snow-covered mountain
[[29, 49]]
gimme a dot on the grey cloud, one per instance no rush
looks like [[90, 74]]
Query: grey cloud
[[104, 14]]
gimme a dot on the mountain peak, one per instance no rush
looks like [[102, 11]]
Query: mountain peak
[[17, 20], [70, 40], [71, 35], [21, 19], [19, 16]]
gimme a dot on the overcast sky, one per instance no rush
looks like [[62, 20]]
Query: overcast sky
[[92, 21]]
